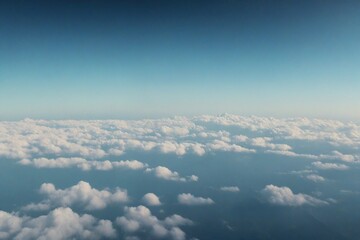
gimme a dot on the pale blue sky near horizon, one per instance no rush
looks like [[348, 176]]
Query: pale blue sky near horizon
[[136, 60]]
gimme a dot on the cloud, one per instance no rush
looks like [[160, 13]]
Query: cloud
[[343, 157], [60, 223], [335, 133], [106, 165], [329, 166], [82, 163], [241, 138], [167, 174], [219, 145], [292, 154], [230, 189], [140, 218], [150, 199], [9, 224], [189, 199], [265, 142], [315, 178], [36, 139], [334, 155], [284, 196], [130, 164], [42, 206], [180, 131], [81, 194], [301, 172], [177, 220]]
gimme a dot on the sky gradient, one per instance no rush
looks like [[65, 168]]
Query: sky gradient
[[135, 59]]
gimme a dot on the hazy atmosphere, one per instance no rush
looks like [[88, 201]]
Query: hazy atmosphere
[[136, 59]]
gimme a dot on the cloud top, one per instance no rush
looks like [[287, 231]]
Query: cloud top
[[82, 194], [191, 200], [166, 174], [230, 189], [284, 196], [60, 223], [150, 199], [140, 218]]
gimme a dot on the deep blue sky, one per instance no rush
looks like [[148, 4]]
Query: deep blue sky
[[100, 59]]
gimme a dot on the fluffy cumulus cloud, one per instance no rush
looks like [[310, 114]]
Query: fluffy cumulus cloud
[[60, 223], [81, 194], [167, 174], [284, 196], [82, 163], [230, 189], [139, 219], [150, 199], [315, 178], [189, 199]]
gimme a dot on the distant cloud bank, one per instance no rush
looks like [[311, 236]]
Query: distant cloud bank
[[33, 141]]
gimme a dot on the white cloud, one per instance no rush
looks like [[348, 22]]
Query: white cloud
[[61, 223], [332, 132], [343, 157], [172, 147], [334, 155], [81, 194], [150, 199], [301, 172], [285, 196], [181, 131], [329, 166], [230, 189], [265, 142], [241, 138], [141, 219], [130, 164], [189, 199], [219, 145], [292, 154], [9, 224], [198, 149], [177, 220], [42, 206], [315, 178], [167, 174], [82, 163], [87, 165]]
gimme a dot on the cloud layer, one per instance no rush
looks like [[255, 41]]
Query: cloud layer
[[87, 144], [105, 144]]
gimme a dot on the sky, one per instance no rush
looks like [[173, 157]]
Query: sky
[[137, 59]]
